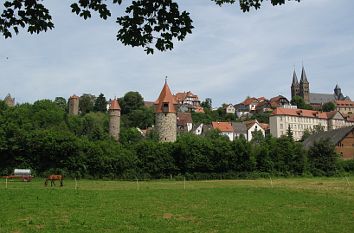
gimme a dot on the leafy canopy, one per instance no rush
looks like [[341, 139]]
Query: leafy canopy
[[150, 24]]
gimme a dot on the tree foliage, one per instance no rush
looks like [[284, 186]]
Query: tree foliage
[[300, 103], [150, 24], [328, 107], [43, 137], [100, 104]]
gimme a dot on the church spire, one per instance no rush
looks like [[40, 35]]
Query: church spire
[[295, 80], [303, 76]]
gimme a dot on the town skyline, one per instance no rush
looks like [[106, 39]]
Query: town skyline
[[229, 56]]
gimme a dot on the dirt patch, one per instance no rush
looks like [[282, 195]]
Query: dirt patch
[[167, 216], [39, 226]]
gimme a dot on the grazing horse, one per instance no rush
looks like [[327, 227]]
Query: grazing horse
[[53, 178]]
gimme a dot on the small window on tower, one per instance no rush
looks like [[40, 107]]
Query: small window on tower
[[165, 107]]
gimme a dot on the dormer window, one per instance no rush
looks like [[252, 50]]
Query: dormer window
[[165, 107]]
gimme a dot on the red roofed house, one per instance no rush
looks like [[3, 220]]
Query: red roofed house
[[166, 115], [345, 106], [300, 120], [246, 107], [225, 129]]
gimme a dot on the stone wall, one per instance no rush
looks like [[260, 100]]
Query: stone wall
[[166, 125], [114, 124], [74, 106]]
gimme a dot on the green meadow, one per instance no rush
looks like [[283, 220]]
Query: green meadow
[[264, 205]]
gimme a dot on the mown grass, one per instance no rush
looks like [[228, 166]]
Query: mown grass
[[280, 205]]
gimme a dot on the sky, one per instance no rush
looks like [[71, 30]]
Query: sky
[[230, 54]]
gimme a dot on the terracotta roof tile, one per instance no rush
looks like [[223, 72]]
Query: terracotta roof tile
[[300, 112], [166, 97], [249, 101], [74, 97], [183, 118], [344, 103], [223, 126], [114, 105]]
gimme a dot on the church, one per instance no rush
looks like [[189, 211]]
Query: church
[[316, 100]]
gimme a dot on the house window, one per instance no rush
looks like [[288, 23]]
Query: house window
[[281, 126]]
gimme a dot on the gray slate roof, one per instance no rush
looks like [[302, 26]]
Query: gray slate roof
[[239, 127], [334, 136], [320, 98]]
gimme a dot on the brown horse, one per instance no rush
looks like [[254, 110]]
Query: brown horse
[[53, 178]]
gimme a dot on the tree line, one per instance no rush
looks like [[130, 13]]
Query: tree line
[[43, 137]]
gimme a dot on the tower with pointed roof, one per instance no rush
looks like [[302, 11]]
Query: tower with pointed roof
[[304, 87], [166, 115], [9, 101], [74, 105], [114, 119], [295, 86]]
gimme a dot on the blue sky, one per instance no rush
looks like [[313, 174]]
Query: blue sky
[[229, 56]]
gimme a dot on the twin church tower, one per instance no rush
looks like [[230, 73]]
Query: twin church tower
[[165, 115], [301, 89]]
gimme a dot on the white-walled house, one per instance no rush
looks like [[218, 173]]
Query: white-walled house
[[230, 109], [300, 120], [225, 129]]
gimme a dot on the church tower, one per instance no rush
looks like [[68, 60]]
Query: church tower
[[338, 93], [304, 87], [114, 119], [74, 105], [295, 86], [166, 115]]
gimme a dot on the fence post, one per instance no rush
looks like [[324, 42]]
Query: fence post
[[137, 184], [6, 183], [184, 183], [75, 184]]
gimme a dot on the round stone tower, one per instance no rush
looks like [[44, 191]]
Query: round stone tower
[[74, 105], [166, 115], [114, 119]]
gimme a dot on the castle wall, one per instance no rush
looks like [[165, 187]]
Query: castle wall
[[166, 125], [74, 106], [114, 124]]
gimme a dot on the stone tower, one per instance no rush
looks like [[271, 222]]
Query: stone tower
[[114, 119], [166, 115], [9, 101], [74, 105], [295, 86], [304, 87]]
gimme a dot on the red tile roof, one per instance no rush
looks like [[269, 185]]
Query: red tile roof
[[222, 126], [114, 105], [344, 103], [74, 97], [166, 97], [264, 126], [300, 112], [249, 101], [250, 123], [180, 97], [183, 118]]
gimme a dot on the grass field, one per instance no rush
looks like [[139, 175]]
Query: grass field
[[283, 205]]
